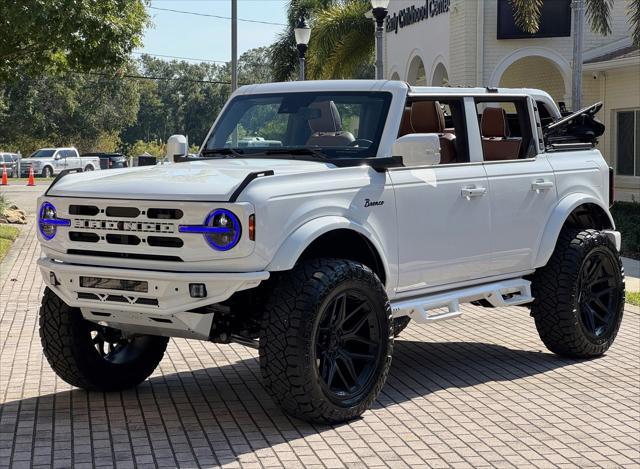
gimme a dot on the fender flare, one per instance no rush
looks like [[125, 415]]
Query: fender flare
[[301, 238], [556, 221]]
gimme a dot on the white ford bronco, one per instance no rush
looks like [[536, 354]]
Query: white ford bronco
[[370, 204]]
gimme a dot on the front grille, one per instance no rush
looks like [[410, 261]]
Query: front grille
[[117, 299], [124, 255], [130, 240]]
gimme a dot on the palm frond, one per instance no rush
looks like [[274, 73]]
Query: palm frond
[[634, 21], [526, 14], [342, 40], [598, 14], [284, 57]]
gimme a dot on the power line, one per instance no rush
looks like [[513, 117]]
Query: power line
[[180, 57], [216, 16], [146, 77]]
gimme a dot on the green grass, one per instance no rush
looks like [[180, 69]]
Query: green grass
[[8, 234], [633, 297], [627, 218]]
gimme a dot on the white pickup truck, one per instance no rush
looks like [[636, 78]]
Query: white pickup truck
[[372, 203], [48, 162]]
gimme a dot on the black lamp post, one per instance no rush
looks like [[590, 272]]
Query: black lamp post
[[380, 10], [303, 33]]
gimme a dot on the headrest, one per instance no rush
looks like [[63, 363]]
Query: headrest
[[427, 117], [494, 123], [327, 119]]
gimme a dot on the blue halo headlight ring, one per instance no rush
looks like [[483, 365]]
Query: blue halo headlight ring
[[48, 222], [221, 229]]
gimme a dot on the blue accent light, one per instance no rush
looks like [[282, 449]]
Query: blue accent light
[[221, 229], [48, 222]]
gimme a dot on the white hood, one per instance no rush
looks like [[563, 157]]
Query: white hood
[[210, 180]]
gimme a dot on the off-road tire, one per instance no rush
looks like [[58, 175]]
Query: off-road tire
[[67, 344], [400, 324], [289, 336], [558, 295]]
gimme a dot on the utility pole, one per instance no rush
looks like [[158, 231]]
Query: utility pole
[[578, 34], [234, 45]]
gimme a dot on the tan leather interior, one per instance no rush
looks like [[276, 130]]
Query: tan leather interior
[[428, 117], [326, 126], [497, 145], [405, 123]]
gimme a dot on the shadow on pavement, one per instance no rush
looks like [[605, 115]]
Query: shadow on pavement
[[220, 413]]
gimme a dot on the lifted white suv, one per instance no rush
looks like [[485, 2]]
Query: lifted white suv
[[370, 203]]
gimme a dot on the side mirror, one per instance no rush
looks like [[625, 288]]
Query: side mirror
[[177, 146], [418, 149], [56, 156]]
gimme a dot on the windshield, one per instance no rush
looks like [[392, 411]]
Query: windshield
[[42, 154], [334, 124]]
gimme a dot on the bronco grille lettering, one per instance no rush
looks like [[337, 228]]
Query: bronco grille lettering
[[130, 226]]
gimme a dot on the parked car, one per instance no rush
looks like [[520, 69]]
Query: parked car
[[48, 162], [110, 160], [10, 161], [384, 203]]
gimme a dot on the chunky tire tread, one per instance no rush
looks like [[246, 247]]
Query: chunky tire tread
[[554, 288], [285, 340], [65, 339]]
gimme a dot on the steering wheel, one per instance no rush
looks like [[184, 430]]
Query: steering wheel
[[361, 142]]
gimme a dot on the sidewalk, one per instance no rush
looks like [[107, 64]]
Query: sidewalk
[[632, 274]]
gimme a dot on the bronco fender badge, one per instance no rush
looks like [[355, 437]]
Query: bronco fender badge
[[373, 203]]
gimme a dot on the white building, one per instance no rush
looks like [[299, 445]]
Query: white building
[[475, 43]]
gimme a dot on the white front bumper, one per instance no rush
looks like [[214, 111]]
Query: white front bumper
[[163, 305]]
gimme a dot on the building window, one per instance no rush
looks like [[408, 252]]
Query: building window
[[628, 143]]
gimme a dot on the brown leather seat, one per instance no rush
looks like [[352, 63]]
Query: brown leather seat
[[405, 123], [496, 143], [326, 127], [427, 117]]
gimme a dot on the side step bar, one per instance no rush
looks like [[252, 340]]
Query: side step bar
[[503, 293]]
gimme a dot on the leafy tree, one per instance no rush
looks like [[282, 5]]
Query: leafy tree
[[598, 13], [58, 35]]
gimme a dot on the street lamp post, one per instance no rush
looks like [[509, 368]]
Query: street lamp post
[[303, 34], [380, 10]]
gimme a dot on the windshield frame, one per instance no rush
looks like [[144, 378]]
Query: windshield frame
[[332, 153]]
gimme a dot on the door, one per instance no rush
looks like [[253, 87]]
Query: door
[[73, 160], [59, 161], [443, 225], [522, 188]]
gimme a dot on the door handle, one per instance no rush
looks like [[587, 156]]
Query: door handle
[[473, 191], [541, 185]]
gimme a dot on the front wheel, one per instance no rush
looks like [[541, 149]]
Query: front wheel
[[47, 172], [579, 295], [326, 340], [93, 357]]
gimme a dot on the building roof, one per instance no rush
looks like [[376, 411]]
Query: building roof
[[624, 53]]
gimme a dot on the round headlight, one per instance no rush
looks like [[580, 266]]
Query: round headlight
[[48, 221], [224, 229], [47, 212]]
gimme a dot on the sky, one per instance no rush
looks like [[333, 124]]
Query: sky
[[209, 38]]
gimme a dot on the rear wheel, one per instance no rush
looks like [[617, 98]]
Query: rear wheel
[[326, 341], [579, 295], [88, 168], [94, 357]]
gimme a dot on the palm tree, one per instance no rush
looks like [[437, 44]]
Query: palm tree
[[598, 13]]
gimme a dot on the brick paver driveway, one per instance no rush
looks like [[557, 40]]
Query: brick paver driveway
[[479, 391]]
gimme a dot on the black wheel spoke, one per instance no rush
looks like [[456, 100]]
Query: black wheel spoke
[[347, 344], [588, 315]]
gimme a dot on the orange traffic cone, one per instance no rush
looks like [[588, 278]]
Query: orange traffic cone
[[5, 181], [31, 181]]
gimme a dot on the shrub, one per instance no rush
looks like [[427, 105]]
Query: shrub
[[627, 218]]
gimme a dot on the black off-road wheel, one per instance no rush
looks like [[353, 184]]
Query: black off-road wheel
[[326, 340], [400, 324], [93, 357], [579, 295]]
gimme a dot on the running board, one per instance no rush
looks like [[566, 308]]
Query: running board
[[503, 293]]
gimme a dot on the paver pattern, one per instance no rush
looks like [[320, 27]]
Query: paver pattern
[[478, 391]]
